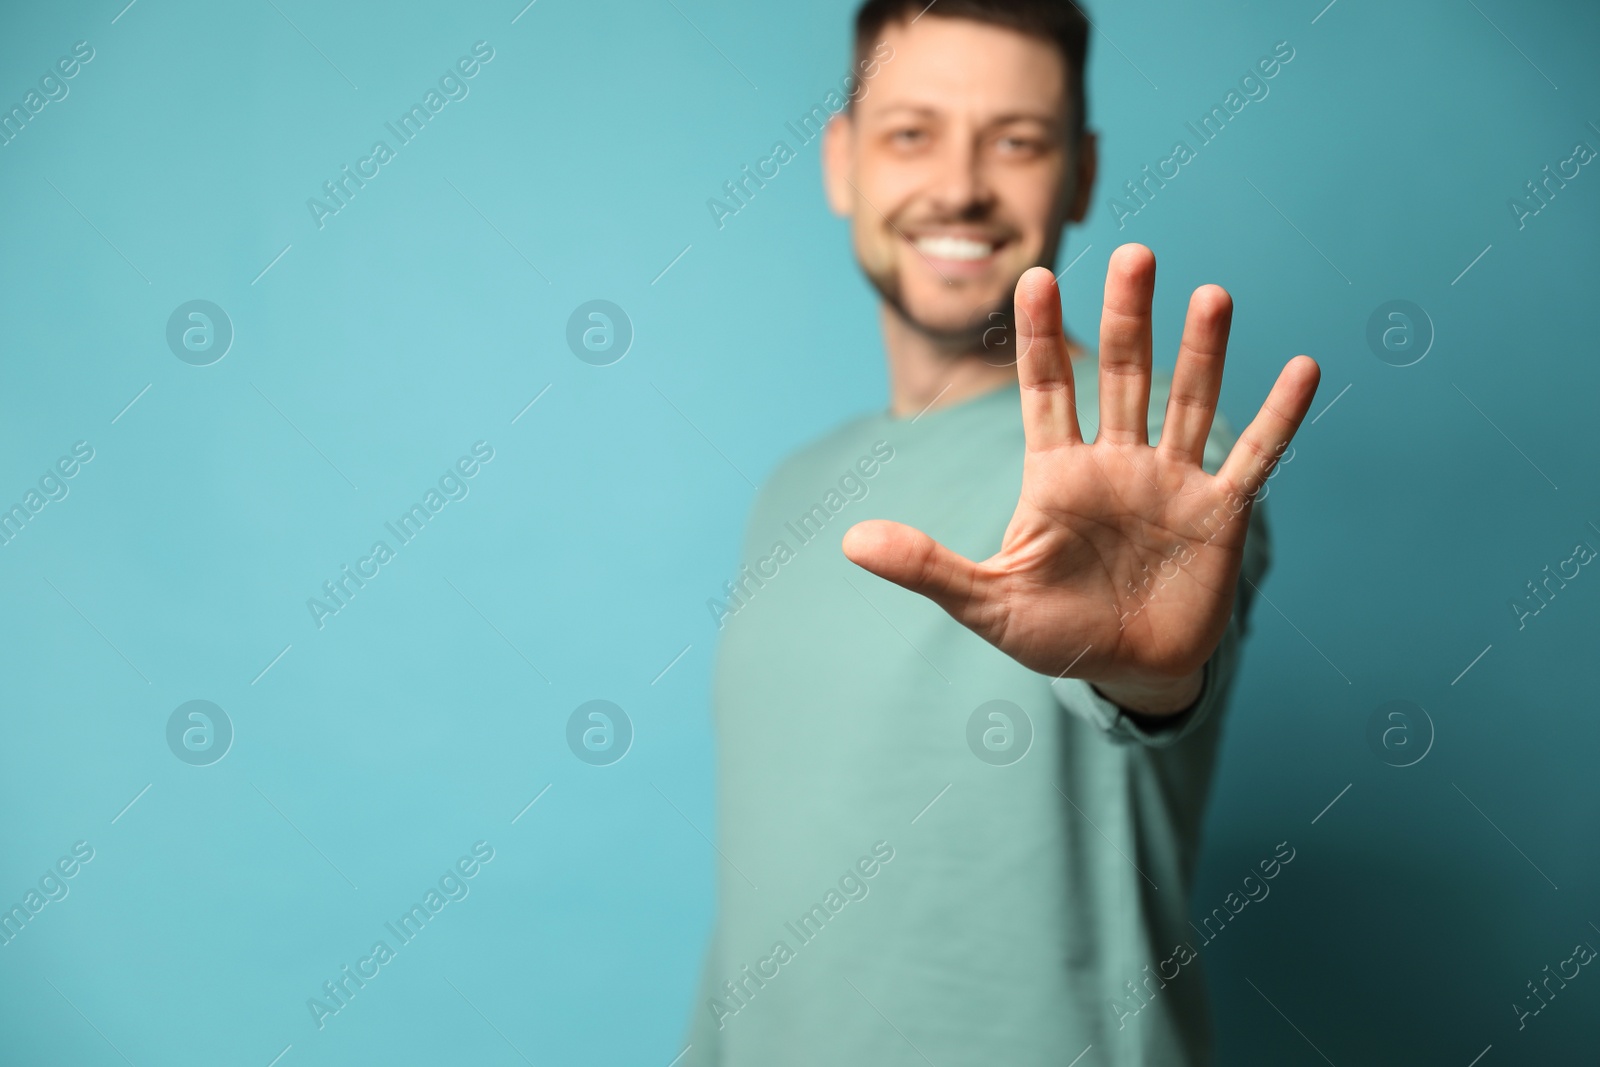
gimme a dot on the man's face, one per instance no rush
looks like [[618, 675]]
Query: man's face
[[956, 170]]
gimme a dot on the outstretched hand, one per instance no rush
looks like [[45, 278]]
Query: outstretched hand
[[1120, 562]]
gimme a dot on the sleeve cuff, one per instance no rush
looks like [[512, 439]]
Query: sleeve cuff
[[1081, 699]]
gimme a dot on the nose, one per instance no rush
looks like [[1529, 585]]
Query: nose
[[959, 188]]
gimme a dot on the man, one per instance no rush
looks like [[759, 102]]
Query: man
[[965, 836]]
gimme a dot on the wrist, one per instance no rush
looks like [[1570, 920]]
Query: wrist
[[1154, 696]]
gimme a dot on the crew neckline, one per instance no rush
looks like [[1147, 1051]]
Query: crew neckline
[[1012, 389]]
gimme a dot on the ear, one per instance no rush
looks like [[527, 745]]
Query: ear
[[838, 160], [1087, 160]]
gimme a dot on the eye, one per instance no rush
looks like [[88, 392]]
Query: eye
[[1017, 145], [907, 136]]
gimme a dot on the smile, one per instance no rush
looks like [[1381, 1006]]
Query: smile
[[955, 249]]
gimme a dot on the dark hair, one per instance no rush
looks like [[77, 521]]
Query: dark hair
[[1058, 21]]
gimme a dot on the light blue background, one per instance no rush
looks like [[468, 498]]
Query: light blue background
[[377, 750]]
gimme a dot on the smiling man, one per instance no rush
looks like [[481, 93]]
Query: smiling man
[[1008, 760]]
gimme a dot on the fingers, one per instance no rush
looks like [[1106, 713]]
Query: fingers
[[1044, 366], [1269, 433], [1197, 379], [1125, 345], [910, 558]]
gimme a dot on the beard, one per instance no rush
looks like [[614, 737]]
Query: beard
[[979, 332]]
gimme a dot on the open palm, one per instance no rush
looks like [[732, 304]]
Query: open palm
[[1121, 560]]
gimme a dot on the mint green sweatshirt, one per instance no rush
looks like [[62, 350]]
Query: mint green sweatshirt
[[931, 854]]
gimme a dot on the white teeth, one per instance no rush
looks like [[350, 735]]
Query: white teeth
[[959, 248]]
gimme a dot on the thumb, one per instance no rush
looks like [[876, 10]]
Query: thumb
[[911, 559]]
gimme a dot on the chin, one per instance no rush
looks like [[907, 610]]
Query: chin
[[957, 299], [964, 327], [965, 310], [948, 320]]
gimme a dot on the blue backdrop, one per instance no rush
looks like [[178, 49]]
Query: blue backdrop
[[189, 876]]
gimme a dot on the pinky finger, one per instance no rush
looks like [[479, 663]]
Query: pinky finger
[[1255, 454]]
